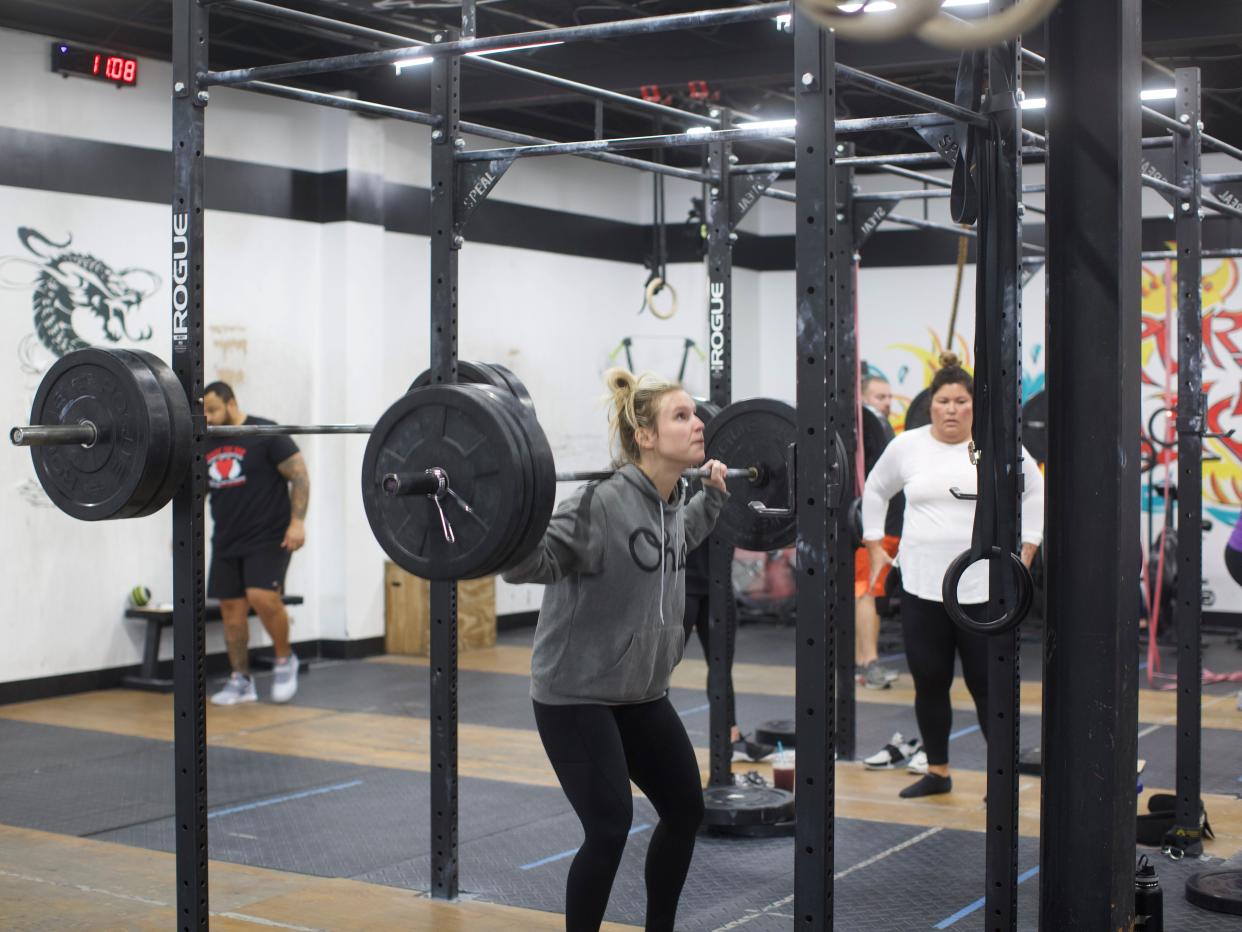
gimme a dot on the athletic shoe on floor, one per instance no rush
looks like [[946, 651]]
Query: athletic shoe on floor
[[285, 686], [1240, 700], [929, 784], [745, 749], [918, 763], [898, 751], [239, 688], [874, 676]]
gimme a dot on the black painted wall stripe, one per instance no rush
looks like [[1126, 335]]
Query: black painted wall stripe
[[50, 162]]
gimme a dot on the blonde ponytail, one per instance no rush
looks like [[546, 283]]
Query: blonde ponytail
[[633, 404]]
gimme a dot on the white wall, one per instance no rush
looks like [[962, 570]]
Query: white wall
[[312, 323]]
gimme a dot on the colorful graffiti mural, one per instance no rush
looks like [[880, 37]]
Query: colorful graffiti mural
[[1222, 375]]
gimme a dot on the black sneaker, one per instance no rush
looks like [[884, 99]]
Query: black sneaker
[[745, 749], [930, 784]]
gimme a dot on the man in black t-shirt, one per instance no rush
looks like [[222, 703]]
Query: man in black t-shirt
[[259, 493]]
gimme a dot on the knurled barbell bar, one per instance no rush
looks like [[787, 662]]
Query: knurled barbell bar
[[112, 437]]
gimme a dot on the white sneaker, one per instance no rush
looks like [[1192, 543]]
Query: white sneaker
[[896, 752], [918, 763], [239, 688], [285, 685]]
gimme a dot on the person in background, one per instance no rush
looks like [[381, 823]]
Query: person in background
[[875, 393], [259, 490], [608, 637], [925, 463]]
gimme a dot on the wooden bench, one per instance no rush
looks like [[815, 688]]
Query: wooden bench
[[159, 617]]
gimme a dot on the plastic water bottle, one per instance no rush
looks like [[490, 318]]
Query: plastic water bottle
[[1148, 898]]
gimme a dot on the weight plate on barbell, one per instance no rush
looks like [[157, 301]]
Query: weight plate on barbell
[[461, 430], [468, 373], [540, 490], [514, 420], [182, 432], [118, 474], [516, 386], [705, 410], [1035, 426], [876, 434], [918, 411], [755, 432]]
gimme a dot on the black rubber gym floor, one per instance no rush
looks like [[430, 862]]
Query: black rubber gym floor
[[320, 817]]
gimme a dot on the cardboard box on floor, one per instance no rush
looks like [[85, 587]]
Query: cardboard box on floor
[[407, 610]]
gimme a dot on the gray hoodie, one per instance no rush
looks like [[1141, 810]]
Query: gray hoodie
[[610, 629]]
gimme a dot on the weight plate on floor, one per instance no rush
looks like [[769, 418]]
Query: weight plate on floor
[[117, 475], [918, 412], [1035, 426], [1219, 891], [182, 433], [756, 432], [746, 805], [781, 729], [765, 830], [461, 430]]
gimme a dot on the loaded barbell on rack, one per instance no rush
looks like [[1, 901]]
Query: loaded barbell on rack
[[458, 480]]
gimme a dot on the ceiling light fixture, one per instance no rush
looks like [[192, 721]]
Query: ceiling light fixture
[[1153, 93], [427, 59]]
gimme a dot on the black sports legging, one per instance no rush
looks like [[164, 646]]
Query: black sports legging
[[596, 750], [698, 618], [932, 639]]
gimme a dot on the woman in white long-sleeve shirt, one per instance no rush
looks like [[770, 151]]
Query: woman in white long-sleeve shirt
[[925, 463]]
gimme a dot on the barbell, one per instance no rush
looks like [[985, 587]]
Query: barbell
[[458, 480]]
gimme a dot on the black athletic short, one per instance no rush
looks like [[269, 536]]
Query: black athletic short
[[230, 577]]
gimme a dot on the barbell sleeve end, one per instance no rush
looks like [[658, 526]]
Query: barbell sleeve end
[[39, 435]]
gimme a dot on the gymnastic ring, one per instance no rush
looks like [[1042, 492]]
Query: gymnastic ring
[[1007, 621], [657, 284], [897, 24], [948, 32]]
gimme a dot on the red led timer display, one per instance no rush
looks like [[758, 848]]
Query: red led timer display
[[94, 63]]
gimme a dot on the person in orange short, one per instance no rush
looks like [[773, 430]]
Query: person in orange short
[[877, 395]]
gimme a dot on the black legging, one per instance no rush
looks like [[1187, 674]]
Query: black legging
[[698, 618], [596, 750], [931, 640]]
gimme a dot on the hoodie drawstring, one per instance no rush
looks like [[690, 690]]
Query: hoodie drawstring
[[663, 550]]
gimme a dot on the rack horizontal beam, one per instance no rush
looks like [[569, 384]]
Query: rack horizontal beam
[[611, 30]]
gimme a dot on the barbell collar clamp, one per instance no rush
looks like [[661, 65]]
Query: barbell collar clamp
[[429, 482], [84, 433]]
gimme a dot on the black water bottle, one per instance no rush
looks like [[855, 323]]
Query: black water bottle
[[1148, 898]]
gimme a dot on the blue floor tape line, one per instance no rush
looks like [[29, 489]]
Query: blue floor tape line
[[978, 904], [572, 851], [963, 732], [259, 804]]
